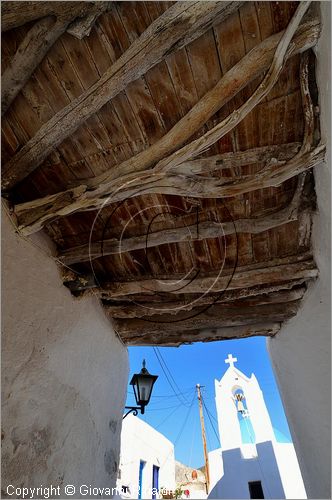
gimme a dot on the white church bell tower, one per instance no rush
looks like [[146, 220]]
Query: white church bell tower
[[251, 462], [237, 394]]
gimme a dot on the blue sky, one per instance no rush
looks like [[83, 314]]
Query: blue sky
[[177, 416]]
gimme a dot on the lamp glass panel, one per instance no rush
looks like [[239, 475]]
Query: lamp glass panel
[[144, 385], [135, 392]]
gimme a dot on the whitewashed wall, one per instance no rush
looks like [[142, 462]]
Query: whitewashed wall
[[64, 376], [238, 471], [140, 441], [289, 470], [301, 352]]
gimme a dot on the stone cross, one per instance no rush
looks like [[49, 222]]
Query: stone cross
[[231, 360]]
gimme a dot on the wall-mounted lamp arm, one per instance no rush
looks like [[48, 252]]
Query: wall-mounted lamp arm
[[132, 409]]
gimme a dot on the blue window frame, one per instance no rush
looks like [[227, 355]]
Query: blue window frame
[[140, 478], [155, 480]]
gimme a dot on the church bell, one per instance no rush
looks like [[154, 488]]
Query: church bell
[[240, 407]]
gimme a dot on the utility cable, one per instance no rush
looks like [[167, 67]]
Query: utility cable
[[212, 425], [169, 415], [182, 427], [159, 358], [162, 409], [192, 440], [170, 374]]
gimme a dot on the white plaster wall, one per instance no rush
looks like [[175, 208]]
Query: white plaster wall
[[275, 464], [64, 376], [216, 467], [290, 473], [236, 471], [301, 352], [140, 441]]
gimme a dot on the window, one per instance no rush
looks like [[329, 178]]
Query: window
[[255, 489], [140, 478], [155, 480]]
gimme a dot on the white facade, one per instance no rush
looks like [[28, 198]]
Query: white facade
[[142, 444], [64, 377], [301, 351], [263, 459]]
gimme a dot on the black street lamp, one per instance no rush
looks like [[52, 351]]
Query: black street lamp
[[142, 383]]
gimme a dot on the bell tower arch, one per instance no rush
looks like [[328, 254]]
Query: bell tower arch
[[240, 399]]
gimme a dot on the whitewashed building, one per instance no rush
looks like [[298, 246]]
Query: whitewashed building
[[252, 462], [147, 463]]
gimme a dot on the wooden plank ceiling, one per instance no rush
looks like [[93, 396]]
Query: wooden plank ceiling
[[166, 148]]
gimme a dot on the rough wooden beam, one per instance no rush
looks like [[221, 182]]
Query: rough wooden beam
[[164, 179], [17, 13], [182, 23], [296, 267], [40, 39], [142, 310], [29, 54], [83, 26], [237, 159], [245, 71], [191, 299], [169, 339], [200, 145], [195, 232], [241, 279], [32, 216], [217, 316]]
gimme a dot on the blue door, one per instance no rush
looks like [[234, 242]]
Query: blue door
[[155, 480], [140, 478]]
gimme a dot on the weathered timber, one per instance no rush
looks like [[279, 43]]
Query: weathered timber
[[40, 39], [131, 310], [80, 283], [191, 299], [32, 216], [279, 152], [307, 105], [197, 232], [295, 267], [217, 316], [194, 232], [83, 26], [205, 335], [241, 279], [230, 84], [182, 23], [199, 145], [239, 76], [15, 14]]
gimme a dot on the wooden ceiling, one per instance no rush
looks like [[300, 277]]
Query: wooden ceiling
[[166, 148]]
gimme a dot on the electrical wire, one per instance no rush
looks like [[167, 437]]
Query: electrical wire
[[169, 415], [168, 396], [173, 395], [170, 374], [160, 359], [211, 423], [182, 427], [192, 441], [148, 409]]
